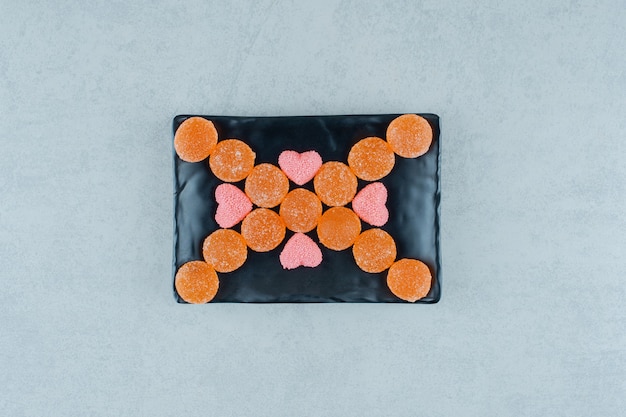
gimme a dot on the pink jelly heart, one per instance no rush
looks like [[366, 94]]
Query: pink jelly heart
[[369, 204], [232, 205], [300, 250], [300, 167]]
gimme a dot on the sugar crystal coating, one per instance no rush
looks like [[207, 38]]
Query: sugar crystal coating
[[369, 204], [338, 228], [409, 279], [263, 230], [300, 167], [196, 282], [267, 185], [232, 160], [195, 139], [374, 250], [335, 184], [300, 250], [371, 159], [409, 135], [232, 205], [225, 250], [301, 210]]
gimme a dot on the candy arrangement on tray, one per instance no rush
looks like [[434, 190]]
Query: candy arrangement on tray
[[299, 207]]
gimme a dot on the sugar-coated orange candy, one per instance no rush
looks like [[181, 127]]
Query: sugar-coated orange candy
[[409, 279], [335, 184], [338, 228], [196, 282], [301, 210], [225, 250], [195, 139], [267, 185], [371, 159], [409, 135], [232, 160], [374, 250], [263, 230]]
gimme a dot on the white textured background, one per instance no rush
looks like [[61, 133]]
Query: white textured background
[[532, 100]]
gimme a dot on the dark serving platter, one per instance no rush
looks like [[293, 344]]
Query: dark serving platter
[[413, 203]]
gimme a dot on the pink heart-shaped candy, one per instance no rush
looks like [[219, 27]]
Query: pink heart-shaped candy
[[300, 250], [300, 167], [369, 204], [232, 205]]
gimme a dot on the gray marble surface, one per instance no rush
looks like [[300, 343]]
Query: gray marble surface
[[532, 104]]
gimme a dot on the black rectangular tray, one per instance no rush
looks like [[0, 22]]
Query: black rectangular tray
[[413, 203]]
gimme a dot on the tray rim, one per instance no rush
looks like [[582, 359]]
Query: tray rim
[[179, 118]]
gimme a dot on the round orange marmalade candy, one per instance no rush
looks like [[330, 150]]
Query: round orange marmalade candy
[[225, 250], [409, 135], [263, 230], [335, 184], [338, 228], [232, 160], [196, 282], [371, 159], [301, 210], [195, 139], [266, 185], [374, 250], [409, 279]]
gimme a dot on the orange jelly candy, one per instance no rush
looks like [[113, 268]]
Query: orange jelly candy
[[374, 250], [225, 250], [409, 279], [338, 228], [371, 159], [196, 282], [409, 135], [195, 139], [232, 160], [301, 210], [335, 184], [267, 185], [263, 230]]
